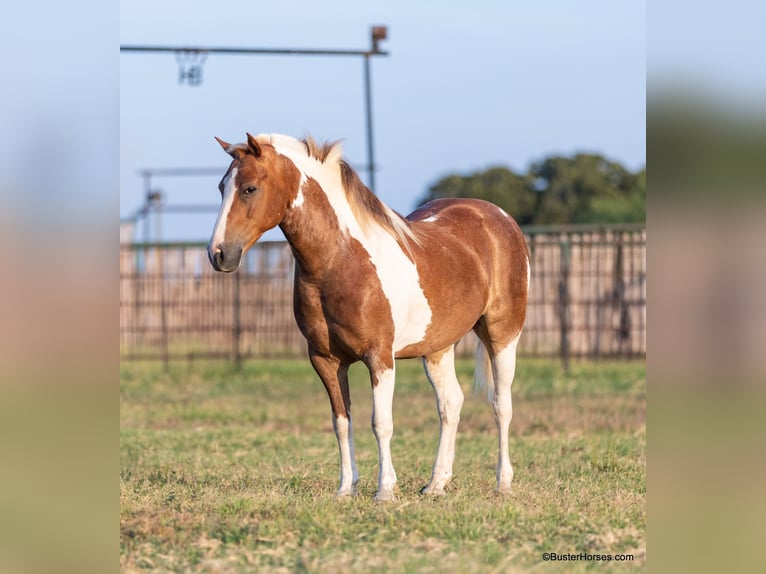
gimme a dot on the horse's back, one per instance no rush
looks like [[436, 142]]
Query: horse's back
[[473, 224]]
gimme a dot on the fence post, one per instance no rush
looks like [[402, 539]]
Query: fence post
[[163, 310], [564, 302], [618, 298], [237, 325]]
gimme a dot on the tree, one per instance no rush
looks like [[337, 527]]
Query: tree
[[584, 188], [626, 207], [514, 193]]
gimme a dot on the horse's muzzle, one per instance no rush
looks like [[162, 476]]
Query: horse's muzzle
[[225, 257]]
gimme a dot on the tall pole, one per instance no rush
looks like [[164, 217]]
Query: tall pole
[[368, 108]]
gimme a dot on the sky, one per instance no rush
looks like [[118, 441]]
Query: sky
[[466, 86]]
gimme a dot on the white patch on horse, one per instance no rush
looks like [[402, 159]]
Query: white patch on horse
[[326, 174], [299, 198], [349, 475], [503, 370], [449, 400], [400, 282], [219, 230], [429, 219], [529, 273], [398, 275]]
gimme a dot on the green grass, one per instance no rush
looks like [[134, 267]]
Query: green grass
[[226, 471]]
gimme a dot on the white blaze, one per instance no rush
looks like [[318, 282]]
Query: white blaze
[[219, 231]]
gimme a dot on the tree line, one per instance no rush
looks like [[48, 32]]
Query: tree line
[[583, 188]]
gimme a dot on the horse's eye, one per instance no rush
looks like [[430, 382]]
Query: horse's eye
[[249, 190]]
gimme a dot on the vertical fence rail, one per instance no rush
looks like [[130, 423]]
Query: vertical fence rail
[[587, 300], [236, 319], [564, 311], [164, 339]]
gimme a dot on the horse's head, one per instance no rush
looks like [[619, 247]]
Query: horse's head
[[256, 192]]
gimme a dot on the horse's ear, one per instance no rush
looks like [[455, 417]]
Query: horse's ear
[[225, 146], [255, 147]]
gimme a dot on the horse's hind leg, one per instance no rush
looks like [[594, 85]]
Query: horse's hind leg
[[503, 370], [440, 369]]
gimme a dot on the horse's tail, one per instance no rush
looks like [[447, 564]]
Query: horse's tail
[[483, 381]]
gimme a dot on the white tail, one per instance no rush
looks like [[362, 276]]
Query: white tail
[[483, 381]]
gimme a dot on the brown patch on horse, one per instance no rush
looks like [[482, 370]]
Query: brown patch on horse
[[336, 321], [457, 306]]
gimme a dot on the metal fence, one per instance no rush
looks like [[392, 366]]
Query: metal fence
[[587, 299]]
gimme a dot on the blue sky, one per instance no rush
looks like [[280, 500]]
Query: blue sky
[[467, 85]]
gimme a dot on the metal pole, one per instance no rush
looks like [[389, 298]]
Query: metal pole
[[378, 33], [245, 51], [368, 109], [147, 207]]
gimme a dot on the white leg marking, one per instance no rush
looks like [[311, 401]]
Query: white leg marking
[[503, 370], [349, 476], [219, 230], [383, 427], [449, 401]]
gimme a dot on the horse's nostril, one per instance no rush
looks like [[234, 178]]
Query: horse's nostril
[[216, 256], [225, 258]]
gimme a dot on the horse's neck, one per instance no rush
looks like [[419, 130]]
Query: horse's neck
[[315, 227]]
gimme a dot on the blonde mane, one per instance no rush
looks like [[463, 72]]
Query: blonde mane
[[368, 209]]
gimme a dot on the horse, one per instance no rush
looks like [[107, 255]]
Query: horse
[[373, 286]]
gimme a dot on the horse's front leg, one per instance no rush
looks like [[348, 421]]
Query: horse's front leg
[[334, 375], [382, 375]]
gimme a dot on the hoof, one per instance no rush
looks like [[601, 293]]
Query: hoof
[[503, 490], [432, 491], [345, 493], [385, 496]]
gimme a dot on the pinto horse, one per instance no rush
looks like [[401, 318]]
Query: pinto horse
[[373, 286]]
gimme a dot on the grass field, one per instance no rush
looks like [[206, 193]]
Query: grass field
[[226, 471]]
